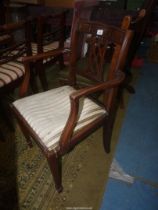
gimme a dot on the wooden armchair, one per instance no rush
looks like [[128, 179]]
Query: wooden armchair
[[50, 34], [60, 118]]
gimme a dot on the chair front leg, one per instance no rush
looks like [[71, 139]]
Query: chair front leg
[[54, 162], [108, 129]]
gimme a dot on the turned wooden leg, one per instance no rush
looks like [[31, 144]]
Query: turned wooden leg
[[55, 167]]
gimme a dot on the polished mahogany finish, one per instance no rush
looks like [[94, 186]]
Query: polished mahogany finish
[[87, 58]]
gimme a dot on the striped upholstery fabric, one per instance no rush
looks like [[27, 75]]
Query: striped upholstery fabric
[[10, 71], [48, 112], [13, 70], [46, 48]]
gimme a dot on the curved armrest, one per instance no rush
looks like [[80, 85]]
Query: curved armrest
[[96, 88], [32, 59], [44, 55], [74, 100]]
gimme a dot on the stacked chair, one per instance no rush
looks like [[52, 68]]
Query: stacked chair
[[12, 71], [16, 45], [50, 34], [60, 118], [17, 41]]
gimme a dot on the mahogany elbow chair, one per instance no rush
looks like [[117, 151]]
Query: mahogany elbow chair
[[60, 118]]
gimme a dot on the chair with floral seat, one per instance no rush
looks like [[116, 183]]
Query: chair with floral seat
[[60, 118]]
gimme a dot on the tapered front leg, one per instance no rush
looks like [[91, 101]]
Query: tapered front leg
[[55, 167]]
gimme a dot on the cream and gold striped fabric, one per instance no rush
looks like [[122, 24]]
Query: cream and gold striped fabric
[[47, 113], [46, 48], [9, 72]]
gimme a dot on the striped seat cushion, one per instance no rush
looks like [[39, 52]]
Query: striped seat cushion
[[47, 113], [10, 71], [46, 48]]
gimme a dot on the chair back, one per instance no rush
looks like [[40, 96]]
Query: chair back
[[50, 28], [90, 46]]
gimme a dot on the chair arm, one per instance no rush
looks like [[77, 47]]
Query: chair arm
[[96, 88], [27, 60], [44, 55], [74, 100]]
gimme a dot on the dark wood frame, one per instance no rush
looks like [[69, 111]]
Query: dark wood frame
[[109, 88]]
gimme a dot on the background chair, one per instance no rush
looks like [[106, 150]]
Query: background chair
[[81, 9], [49, 34], [139, 24], [12, 48], [60, 118]]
